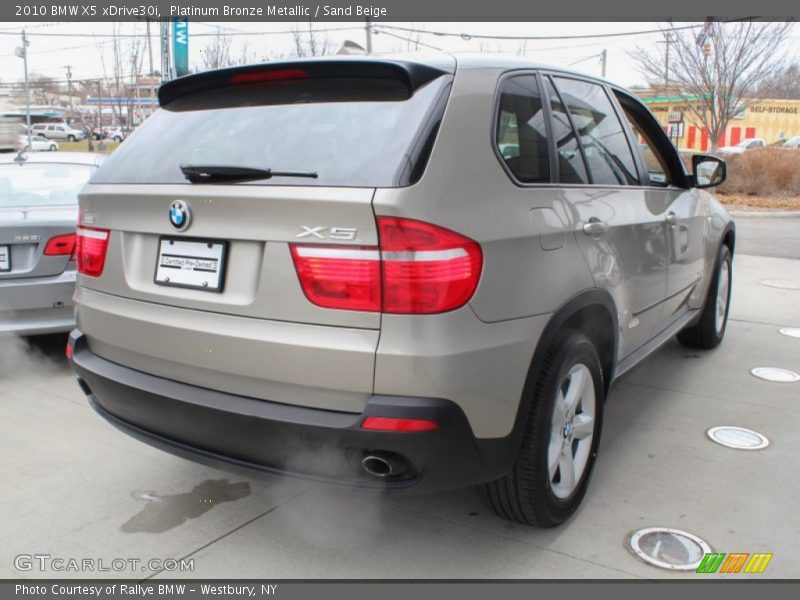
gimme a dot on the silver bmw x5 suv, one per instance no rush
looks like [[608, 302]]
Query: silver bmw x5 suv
[[405, 273]]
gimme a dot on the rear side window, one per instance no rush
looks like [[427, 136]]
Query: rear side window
[[570, 162], [602, 136], [521, 134], [356, 132]]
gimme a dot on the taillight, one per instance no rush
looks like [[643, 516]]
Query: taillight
[[90, 249], [392, 424], [60, 245], [343, 277], [419, 268], [426, 269]]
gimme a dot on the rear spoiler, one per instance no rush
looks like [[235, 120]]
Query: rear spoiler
[[413, 75]]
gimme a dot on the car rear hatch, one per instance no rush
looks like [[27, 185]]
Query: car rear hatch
[[202, 206]]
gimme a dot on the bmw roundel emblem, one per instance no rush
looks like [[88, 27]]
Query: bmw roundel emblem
[[179, 215]]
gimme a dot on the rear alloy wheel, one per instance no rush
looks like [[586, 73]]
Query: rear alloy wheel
[[551, 473], [710, 328], [53, 148]]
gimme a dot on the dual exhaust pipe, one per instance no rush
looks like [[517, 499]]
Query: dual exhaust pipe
[[383, 464]]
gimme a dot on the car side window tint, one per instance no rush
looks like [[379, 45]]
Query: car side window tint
[[654, 161], [521, 134], [571, 168], [602, 136]]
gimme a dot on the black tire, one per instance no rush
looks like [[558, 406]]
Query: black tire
[[70, 138], [526, 495], [705, 333], [53, 148]]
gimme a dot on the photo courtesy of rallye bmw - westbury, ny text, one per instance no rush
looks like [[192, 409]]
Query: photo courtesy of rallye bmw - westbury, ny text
[[144, 590], [370, 299]]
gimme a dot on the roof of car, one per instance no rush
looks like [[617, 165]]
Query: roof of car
[[75, 158]]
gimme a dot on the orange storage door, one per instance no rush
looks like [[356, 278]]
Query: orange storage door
[[690, 137]]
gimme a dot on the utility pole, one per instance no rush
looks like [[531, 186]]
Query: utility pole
[[23, 54], [669, 39], [149, 49], [368, 31], [603, 61], [69, 88]]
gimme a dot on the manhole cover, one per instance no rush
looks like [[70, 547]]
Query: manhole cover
[[738, 437], [776, 374], [784, 284], [791, 331], [669, 548]]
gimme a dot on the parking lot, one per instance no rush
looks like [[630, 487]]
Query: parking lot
[[74, 487]]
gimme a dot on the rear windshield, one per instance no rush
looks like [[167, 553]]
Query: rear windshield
[[42, 184], [351, 132]]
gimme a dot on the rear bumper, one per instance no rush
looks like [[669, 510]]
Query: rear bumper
[[257, 436], [37, 305]]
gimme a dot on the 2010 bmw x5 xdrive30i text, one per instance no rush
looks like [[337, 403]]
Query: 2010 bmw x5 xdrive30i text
[[399, 273]]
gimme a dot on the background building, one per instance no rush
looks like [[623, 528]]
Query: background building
[[773, 120]]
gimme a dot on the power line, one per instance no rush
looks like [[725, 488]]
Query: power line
[[479, 36], [406, 39], [194, 35]]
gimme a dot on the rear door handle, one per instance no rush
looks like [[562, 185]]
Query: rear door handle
[[671, 218], [595, 227]]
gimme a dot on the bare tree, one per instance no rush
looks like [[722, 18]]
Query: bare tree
[[217, 53], [310, 43], [127, 56], [46, 87], [784, 84], [715, 76]]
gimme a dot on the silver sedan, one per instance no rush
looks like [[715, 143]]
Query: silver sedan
[[38, 213]]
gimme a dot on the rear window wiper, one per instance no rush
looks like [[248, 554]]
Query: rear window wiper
[[211, 173]]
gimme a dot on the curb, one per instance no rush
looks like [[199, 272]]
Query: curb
[[763, 214]]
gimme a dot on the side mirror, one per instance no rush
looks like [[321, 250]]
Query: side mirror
[[708, 171]]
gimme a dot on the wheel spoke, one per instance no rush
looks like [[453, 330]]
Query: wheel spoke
[[582, 426], [566, 466], [577, 383], [559, 413], [553, 458]]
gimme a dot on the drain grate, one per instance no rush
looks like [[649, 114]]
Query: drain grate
[[790, 331], [738, 437], [669, 548], [784, 284], [775, 374]]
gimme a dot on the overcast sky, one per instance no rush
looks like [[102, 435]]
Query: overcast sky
[[50, 55]]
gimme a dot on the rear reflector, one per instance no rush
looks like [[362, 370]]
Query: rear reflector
[[390, 424], [61, 245], [91, 247], [419, 268], [68, 351], [270, 75]]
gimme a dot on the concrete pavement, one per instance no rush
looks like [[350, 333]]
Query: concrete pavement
[[74, 487]]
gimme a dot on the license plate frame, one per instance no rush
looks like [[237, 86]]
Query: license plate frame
[[5, 258], [215, 250]]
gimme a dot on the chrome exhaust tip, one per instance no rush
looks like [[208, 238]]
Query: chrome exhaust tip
[[382, 465]]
